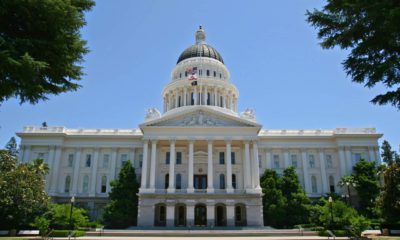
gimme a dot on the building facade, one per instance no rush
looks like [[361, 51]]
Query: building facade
[[199, 161]]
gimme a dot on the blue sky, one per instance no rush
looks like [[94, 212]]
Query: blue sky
[[271, 51]]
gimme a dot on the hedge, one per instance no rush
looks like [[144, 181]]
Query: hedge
[[65, 233]]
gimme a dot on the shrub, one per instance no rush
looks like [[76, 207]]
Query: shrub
[[359, 224], [42, 224], [65, 233], [60, 216]]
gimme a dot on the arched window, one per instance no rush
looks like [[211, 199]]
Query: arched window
[[314, 188], [85, 187], [67, 184], [192, 99], [179, 101], [178, 181], [103, 184], [221, 101], [234, 181], [331, 184], [208, 73], [221, 181], [166, 181], [215, 73], [208, 99]]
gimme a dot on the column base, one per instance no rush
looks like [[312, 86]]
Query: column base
[[147, 190], [230, 190], [254, 190], [171, 190], [210, 190], [190, 190]]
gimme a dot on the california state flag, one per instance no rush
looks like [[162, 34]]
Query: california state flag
[[192, 73]]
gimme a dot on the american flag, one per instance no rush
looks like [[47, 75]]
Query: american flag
[[192, 73]]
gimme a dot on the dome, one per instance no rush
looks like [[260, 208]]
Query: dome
[[200, 49]]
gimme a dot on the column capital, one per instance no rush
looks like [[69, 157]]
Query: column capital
[[210, 141], [246, 141], [172, 141], [191, 141], [228, 141]]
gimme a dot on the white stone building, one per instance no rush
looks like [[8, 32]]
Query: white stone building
[[198, 162]]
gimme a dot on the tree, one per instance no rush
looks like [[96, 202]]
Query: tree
[[121, 211], [371, 30], [12, 147], [339, 218], [273, 201], [348, 182], [285, 203], [389, 202], [22, 192], [365, 174], [41, 48], [297, 209], [59, 216], [389, 156]]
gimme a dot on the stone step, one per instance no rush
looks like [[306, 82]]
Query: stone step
[[203, 232]]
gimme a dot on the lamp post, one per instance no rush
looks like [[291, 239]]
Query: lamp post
[[331, 208], [70, 214]]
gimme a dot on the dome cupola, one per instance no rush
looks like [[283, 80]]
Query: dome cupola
[[200, 49]]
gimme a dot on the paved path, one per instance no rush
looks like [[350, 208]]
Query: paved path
[[205, 237]]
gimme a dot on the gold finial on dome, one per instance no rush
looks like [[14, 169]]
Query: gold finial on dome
[[200, 36]]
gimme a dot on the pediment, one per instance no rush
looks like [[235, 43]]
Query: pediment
[[201, 118]]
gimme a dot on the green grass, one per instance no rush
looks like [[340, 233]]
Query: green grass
[[12, 238]]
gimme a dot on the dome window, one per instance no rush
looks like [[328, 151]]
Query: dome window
[[208, 73], [215, 73]]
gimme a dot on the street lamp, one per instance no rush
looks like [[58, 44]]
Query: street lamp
[[70, 214], [331, 208]]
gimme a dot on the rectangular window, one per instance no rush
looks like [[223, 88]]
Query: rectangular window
[[276, 161], [167, 157], [140, 160], [294, 160], [311, 161], [208, 73], [259, 161], [106, 160], [233, 160], [70, 160], [124, 158], [329, 163], [215, 73], [88, 160], [178, 157], [221, 157]]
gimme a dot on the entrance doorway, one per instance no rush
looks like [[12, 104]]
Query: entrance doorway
[[200, 215], [200, 181], [220, 215], [180, 215]]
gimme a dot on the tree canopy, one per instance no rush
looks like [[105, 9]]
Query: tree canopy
[[22, 192], [285, 203], [41, 47], [371, 31], [121, 211], [12, 147]]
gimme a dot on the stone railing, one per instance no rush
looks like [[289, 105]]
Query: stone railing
[[81, 131], [316, 132]]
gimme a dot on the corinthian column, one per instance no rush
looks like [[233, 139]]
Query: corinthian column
[[210, 171]]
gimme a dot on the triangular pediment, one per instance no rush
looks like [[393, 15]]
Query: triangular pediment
[[200, 117]]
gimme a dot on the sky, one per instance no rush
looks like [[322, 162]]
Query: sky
[[272, 53]]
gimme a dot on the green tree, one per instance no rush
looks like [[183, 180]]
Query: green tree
[[365, 174], [298, 204], [285, 203], [12, 147], [273, 201], [370, 30], [59, 216], [387, 153], [389, 202], [121, 211], [339, 218], [41, 47], [22, 193]]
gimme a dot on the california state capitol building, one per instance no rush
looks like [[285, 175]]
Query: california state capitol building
[[198, 162]]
